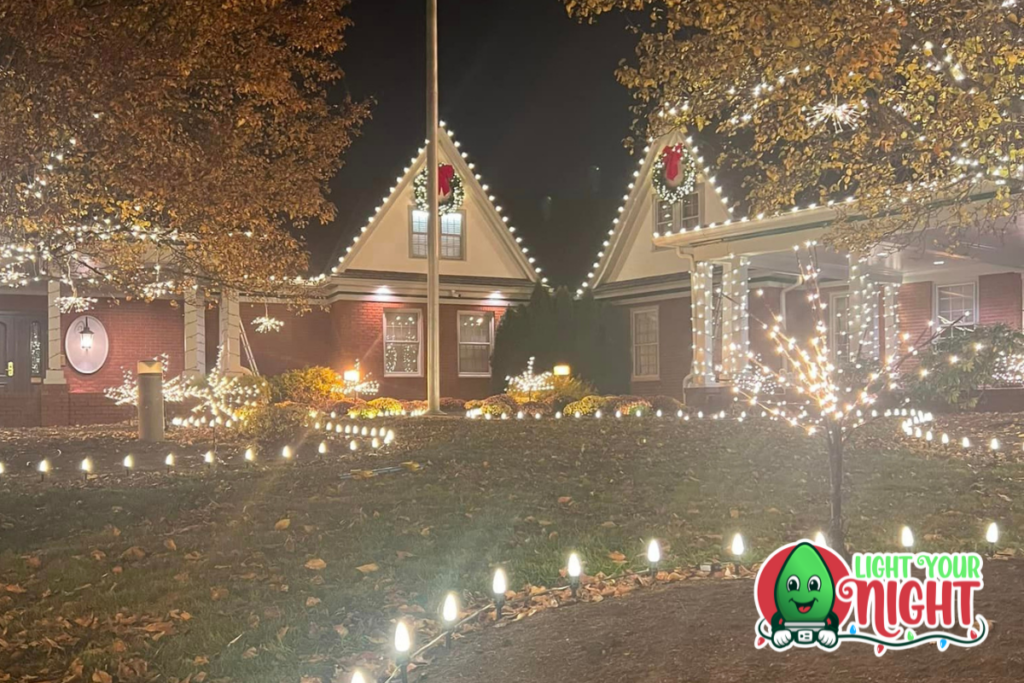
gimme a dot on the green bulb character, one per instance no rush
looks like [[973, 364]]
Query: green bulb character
[[804, 597]]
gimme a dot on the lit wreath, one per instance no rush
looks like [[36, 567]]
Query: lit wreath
[[448, 203], [686, 173]]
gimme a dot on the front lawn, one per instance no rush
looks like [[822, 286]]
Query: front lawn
[[288, 570]]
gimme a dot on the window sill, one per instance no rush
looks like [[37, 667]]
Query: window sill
[[393, 376], [646, 378], [471, 375]]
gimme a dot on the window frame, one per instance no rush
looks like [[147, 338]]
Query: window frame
[[462, 237], [633, 313], [677, 216], [490, 344], [972, 323], [419, 339]]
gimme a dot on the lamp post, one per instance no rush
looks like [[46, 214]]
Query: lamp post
[[433, 224]]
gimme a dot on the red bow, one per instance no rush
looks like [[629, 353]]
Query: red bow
[[672, 156], [445, 173]]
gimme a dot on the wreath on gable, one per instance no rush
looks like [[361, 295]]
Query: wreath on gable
[[450, 191], [675, 174]]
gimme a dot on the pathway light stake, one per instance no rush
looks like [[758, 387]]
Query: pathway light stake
[[287, 454], [403, 644], [992, 536], [129, 464], [737, 546], [169, 462], [966, 443], [499, 586], [358, 677], [574, 571], [819, 539], [208, 459], [250, 457], [44, 469], [322, 450], [653, 557], [86, 468], [3, 469], [449, 615], [906, 537]]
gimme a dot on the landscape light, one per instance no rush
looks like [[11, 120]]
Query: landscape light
[[819, 539], [3, 468], [351, 376], [574, 571], [945, 439], [992, 536], [169, 461], [129, 464], [208, 458], [322, 449], [653, 556], [353, 445], [562, 370], [737, 545], [286, 453], [403, 643], [966, 443], [449, 614], [86, 468], [357, 677], [907, 537], [994, 444], [499, 586], [44, 469]]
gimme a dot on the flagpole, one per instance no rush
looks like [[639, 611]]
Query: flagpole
[[433, 231]]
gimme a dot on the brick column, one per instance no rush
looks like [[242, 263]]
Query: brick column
[[735, 316], [195, 333], [230, 333], [54, 407], [702, 373]]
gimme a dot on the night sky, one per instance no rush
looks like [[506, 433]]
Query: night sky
[[531, 95]]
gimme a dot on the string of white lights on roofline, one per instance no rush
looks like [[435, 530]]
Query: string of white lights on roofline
[[491, 198]]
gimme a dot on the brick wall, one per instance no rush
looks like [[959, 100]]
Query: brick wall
[[20, 410], [763, 310], [915, 302], [96, 409], [1000, 299], [675, 349], [305, 340]]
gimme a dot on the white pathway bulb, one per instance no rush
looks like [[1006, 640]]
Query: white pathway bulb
[[169, 460], [250, 455], [575, 568], [500, 584], [129, 462], [208, 457], [450, 611], [907, 537], [653, 552], [994, 444], [3, 468], [44, 466], [323, 448], [286, 453], [403, 643], [737, 545], [992, 535], [819, 539], [945, 439], [357, 677], [966, 443], [87, 465]]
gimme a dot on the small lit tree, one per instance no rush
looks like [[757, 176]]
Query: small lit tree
[[832, 403]]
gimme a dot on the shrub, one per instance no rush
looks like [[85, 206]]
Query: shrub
[[666, 404], [495, 406], [378, 407], [414, 407], [588, 405], [274, 425], [453, 405], [545, 408], [317, 388], [630, 405]]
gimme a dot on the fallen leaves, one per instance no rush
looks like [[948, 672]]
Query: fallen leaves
[[133, 554], [219, 593], [316, 565], [14, 588], [171, 545], [368, 568], [282, 524]]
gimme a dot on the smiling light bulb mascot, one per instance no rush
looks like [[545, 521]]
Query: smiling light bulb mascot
[[804, 597]]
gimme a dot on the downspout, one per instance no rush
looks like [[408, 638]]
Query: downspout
[[691, 263]]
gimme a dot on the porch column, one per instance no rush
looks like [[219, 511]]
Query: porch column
[[55, 344], [230, 333], [702, 372], [864, 314], [195, 333], [890, 300], [735, 315]]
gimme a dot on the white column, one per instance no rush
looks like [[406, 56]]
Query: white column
[[230, 333], [195, 333], [864, 313], [55, 342], [702, 371], [735, 315], [892, 323]]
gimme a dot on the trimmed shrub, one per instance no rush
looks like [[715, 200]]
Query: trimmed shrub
[[453, 405], [378, 407], [317, 388], [495, 406], [588, 405], [275, 425], [630, 406], [413, 407], [544, 408], [666, 404]]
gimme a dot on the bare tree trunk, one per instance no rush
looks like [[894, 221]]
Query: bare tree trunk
[[836, 532]]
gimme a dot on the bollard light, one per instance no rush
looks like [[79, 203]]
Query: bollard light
[[737, 545], [653, 557], [992, 536], [449, 615], [906, 537], [819, 539], [499, 586], [574, 570]]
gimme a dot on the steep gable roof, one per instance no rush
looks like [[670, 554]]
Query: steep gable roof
[[501, 254], [627, 250]]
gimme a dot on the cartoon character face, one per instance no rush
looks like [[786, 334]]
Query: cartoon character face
[[804, 591]]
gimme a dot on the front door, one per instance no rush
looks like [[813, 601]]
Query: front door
[[22, 349]]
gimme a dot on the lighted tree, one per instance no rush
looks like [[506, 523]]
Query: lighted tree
[[899, 103], [151, 145]]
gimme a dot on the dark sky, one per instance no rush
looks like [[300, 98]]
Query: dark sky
[[531, 95]]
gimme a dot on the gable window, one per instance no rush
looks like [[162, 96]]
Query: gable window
[[476, 335], [645, 343], [840, 328], [956, 306], [676, 216], [402, 343], [451, 235]]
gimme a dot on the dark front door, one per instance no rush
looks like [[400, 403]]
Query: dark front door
[[22, 352]]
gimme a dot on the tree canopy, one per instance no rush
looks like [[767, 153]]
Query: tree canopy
[[915, 107], [152, 145]]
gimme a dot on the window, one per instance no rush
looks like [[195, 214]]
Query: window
[[402, 343], [451, 236], [35, 349], [955, 305], [476, 333], [645, 343], [840, 328], [675, 216]]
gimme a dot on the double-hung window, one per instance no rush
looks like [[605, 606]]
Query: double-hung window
[[676, 216], [476, 337], [645, 343], [452, 244], [956, 306], [403, 340]]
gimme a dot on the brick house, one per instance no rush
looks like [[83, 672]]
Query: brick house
[[374, 314], [673, 249]]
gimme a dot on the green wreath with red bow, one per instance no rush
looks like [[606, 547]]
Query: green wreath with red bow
[[450, 191], [675, 173]]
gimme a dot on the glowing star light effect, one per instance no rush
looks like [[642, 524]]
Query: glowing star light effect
[[841, 117]]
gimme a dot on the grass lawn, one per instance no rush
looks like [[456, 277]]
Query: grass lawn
[[289, 571]]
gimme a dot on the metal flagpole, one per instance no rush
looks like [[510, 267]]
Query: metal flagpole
[[433, 231]]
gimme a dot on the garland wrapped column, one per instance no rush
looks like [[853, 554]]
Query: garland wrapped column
[[702, 373], [735, 315], [864, 314]]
